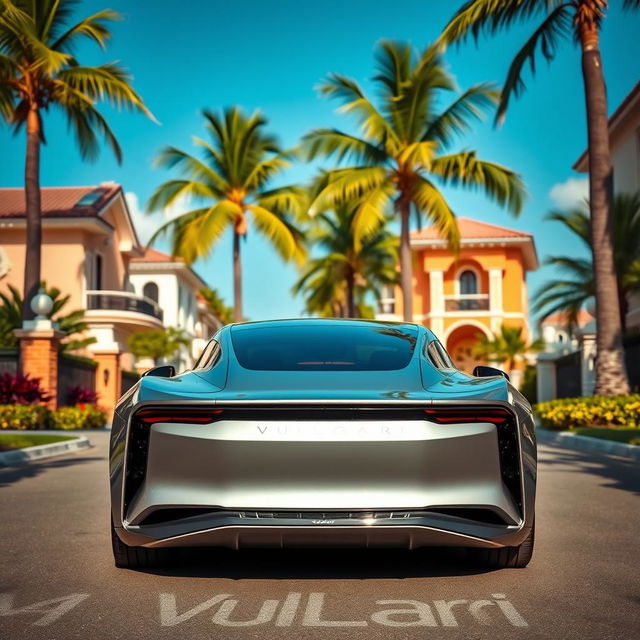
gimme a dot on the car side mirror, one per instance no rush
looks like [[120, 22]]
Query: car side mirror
[[482, 371], [163, 371]]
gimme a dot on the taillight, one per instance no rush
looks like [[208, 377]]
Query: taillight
[[178, 414], [476, 414]]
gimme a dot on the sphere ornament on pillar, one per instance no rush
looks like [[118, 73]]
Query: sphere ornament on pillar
[[41, 305]]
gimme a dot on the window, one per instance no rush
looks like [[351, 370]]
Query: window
[[468, 283], [439, 356], [208, 357], [324, 347], [150, 290], [98, 272], [387, 302]]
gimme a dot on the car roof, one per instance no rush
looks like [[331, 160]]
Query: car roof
[[292, 322]]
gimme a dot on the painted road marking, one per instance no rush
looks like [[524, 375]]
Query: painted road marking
[[312, 611], [315, 612], [50, 612]]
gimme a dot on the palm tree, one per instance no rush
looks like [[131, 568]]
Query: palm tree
[[231, 182], [336, 283], [580, 21], [38, 70], [508, 346], [402, 153], [570, 293]]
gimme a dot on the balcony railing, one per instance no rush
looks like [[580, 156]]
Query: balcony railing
[[123, 301], [467, 302]]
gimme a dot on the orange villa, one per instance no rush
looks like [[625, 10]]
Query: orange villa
[[475, 292]]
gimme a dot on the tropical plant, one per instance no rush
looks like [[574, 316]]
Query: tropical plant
[[21, 389], [157, 343], [231, 182], [507, 346], [71, 324], [570, 292], [81, 395], [403, 152], [38, 70], [217, 305], [578, 21], [337, 282]]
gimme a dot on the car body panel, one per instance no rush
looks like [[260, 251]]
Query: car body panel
[[320, 465]]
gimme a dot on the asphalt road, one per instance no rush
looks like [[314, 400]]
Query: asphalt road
[[57, 578]]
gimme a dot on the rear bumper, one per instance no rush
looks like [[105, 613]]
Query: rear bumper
[[228, 467], [231, 531]]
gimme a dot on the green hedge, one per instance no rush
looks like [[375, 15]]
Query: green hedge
[[84, 416], [35, 416], [24, 416], [593, 411]]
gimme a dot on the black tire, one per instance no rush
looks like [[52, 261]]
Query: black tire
[[517, 557], [127, 557]]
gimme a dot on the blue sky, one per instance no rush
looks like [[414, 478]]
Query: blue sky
[[269, 55]]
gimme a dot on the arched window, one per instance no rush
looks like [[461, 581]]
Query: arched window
[[468, 283], [150, 290]]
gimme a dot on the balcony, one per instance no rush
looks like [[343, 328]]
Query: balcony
[[467, 302], [122, 301]]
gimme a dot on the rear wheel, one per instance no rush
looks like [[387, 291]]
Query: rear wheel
[[127, 557], [505, 557]]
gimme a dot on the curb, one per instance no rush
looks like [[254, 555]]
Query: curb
[[585, 443], [31, 454]]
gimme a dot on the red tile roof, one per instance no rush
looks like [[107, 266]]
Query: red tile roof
[[561, 318], [153, 255], [59, 202], [470, 230]]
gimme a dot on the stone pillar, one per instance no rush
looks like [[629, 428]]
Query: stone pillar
[[436, 302], [495, 299], [108, 378], [39, 359], [546, 379], [588, 350]]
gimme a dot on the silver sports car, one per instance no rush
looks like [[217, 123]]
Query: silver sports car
[[320, 433]]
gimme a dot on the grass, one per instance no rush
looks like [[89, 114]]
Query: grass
[[12, 441], [617, 435]]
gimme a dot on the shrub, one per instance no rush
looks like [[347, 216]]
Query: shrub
[[21, 389], [593, 411], [82, 416], [24, 416], [81, 395]]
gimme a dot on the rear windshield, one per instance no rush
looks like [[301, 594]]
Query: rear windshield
[[324, 347]]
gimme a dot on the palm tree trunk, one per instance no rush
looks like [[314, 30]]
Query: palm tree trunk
[[351, 309], [33, 213], [406, 271], [237, 279], [611, 376]]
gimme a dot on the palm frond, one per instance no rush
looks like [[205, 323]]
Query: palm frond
[[105, 82], [477, 16], [456, 119], [499, 183], [169, 192], [196, 169], [369, 213], [428, 199], [373, 124], [344, 185], [546, 37], [287, 240], [283, 200], [332, 142], [195, 233], [93, 27]]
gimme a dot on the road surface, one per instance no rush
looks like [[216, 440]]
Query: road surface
[[57, 579]]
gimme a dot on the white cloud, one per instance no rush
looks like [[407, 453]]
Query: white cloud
[[147, 223], [569, 193]]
